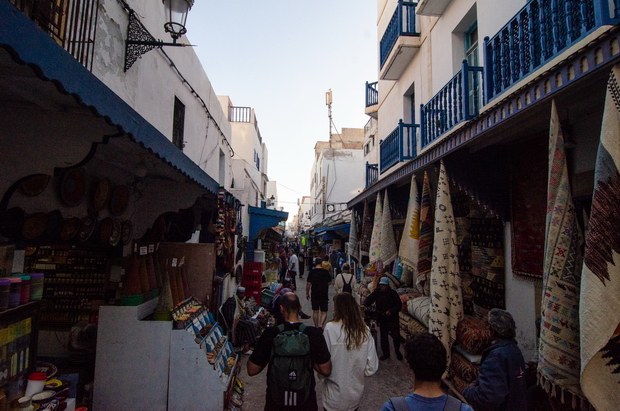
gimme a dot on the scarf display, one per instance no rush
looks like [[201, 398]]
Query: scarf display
[[599, 312], [354, 244], [408, 250], [528, 193], [425, 255], [388, 242], [366, 230], [445, 285], [559, 360], [375, 239]]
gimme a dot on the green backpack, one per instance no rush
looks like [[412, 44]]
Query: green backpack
[[290, 374]]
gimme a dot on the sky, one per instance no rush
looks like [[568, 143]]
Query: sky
[[280, 58]]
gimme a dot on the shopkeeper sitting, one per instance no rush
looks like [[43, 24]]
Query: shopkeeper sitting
[[239, 319]]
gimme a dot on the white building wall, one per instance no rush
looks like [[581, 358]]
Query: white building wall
[[151, 84]]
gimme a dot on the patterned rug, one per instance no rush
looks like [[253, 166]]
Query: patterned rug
[[408, 251], [528, 192], [366, 230], [425, 256], [354, 244], [559, 360], [375, 239], [600, 292], [445, 287], [388, 251]]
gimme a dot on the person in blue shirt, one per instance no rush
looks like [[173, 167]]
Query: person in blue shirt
[[426, 356], [501, 384]]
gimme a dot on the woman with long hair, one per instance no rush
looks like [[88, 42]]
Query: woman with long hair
[[353, 353]]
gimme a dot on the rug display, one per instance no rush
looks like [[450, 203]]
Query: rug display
[[528, 193], [461, 204], [409, 247], [419, 308], [559, 353], [388, 251], [487, 265], [462, 368], [354, 244], [473, 334], [445, 286], [599, 312], [375, 239], [412, 325], [425, 255], [366, 233]]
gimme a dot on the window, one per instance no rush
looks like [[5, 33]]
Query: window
[[222, 168], [369, 145], [471, 55], [178, 124]]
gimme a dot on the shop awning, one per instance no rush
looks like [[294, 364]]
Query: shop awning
[[28, 45], [264, 218], [342, 228], [269, 234]]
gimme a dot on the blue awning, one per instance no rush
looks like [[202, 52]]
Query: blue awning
[[29, 45], [343, 228], [264, 217]]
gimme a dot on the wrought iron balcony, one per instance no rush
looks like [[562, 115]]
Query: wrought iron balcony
[[536, 34], [457, 101], [372, 94], [399, 145], [372, 174], [395, 51]]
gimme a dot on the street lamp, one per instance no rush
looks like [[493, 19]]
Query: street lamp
[[140, 41]]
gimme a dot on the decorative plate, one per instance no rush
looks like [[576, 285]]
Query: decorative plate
[[34, 226], [73, 187], [105, 230], [126, 232], [102, 194], [119, 200], [115, 238], [70, 228], [88, 228], [35, 184]]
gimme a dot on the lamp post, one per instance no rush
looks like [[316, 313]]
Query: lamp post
[[140, 41]]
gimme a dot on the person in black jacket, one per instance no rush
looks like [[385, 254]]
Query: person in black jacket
[[388, 306], [501, 384]]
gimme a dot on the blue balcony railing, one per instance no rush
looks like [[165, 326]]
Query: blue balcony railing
[[457, 101], [536, 34], [399, 145], [372, 94], [372, 174], [401, 24]]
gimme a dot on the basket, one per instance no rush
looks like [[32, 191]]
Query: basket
[[266, 297]]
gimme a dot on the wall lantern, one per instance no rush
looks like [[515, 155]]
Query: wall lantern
[[140, 41]]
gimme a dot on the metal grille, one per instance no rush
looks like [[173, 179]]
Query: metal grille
[[178, 124]]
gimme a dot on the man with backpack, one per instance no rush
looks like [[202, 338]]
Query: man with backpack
[[293, 352], [426, 356]]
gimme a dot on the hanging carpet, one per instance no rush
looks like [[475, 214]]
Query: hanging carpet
[[425, 255], [366, 230], [408, 250], [388, 242], [354, 245], [375, 239]]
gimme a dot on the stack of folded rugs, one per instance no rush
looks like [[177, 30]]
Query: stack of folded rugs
[[472, 338], [413, 318]]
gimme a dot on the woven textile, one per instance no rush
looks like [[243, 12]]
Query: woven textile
[[375, 239], [419, 308], [413, 325], [409, 247], [600, 292], [388, 242], [354, 245], [459, 384], [462, 368], [528, 192], [366, 230], [559, 360], [473, 334], [445, 288], [425, 256]]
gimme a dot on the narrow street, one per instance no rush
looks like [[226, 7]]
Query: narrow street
[[394, 378]]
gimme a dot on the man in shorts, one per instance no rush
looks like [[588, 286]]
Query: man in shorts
[[318, 282]]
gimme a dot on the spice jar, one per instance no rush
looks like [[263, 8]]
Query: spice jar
[[5, 285], [25, 292], [15, 291], [36, 286]]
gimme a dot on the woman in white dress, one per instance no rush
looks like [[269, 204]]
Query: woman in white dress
[[354, 356]]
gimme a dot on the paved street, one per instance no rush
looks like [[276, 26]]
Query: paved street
[[394, 377]]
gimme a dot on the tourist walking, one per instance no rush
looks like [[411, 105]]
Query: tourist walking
[[388, 305], [426, 356], [345, 281], [293, 267], [501, 384], [317, 285], [293, 352], [353, 353]]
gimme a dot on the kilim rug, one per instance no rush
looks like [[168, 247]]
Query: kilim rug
[[425, 243], [375, 239], [366, 230], [445, 285], [408, 250], [354, 244], [559, 361], [600, 292], [388, 242]]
